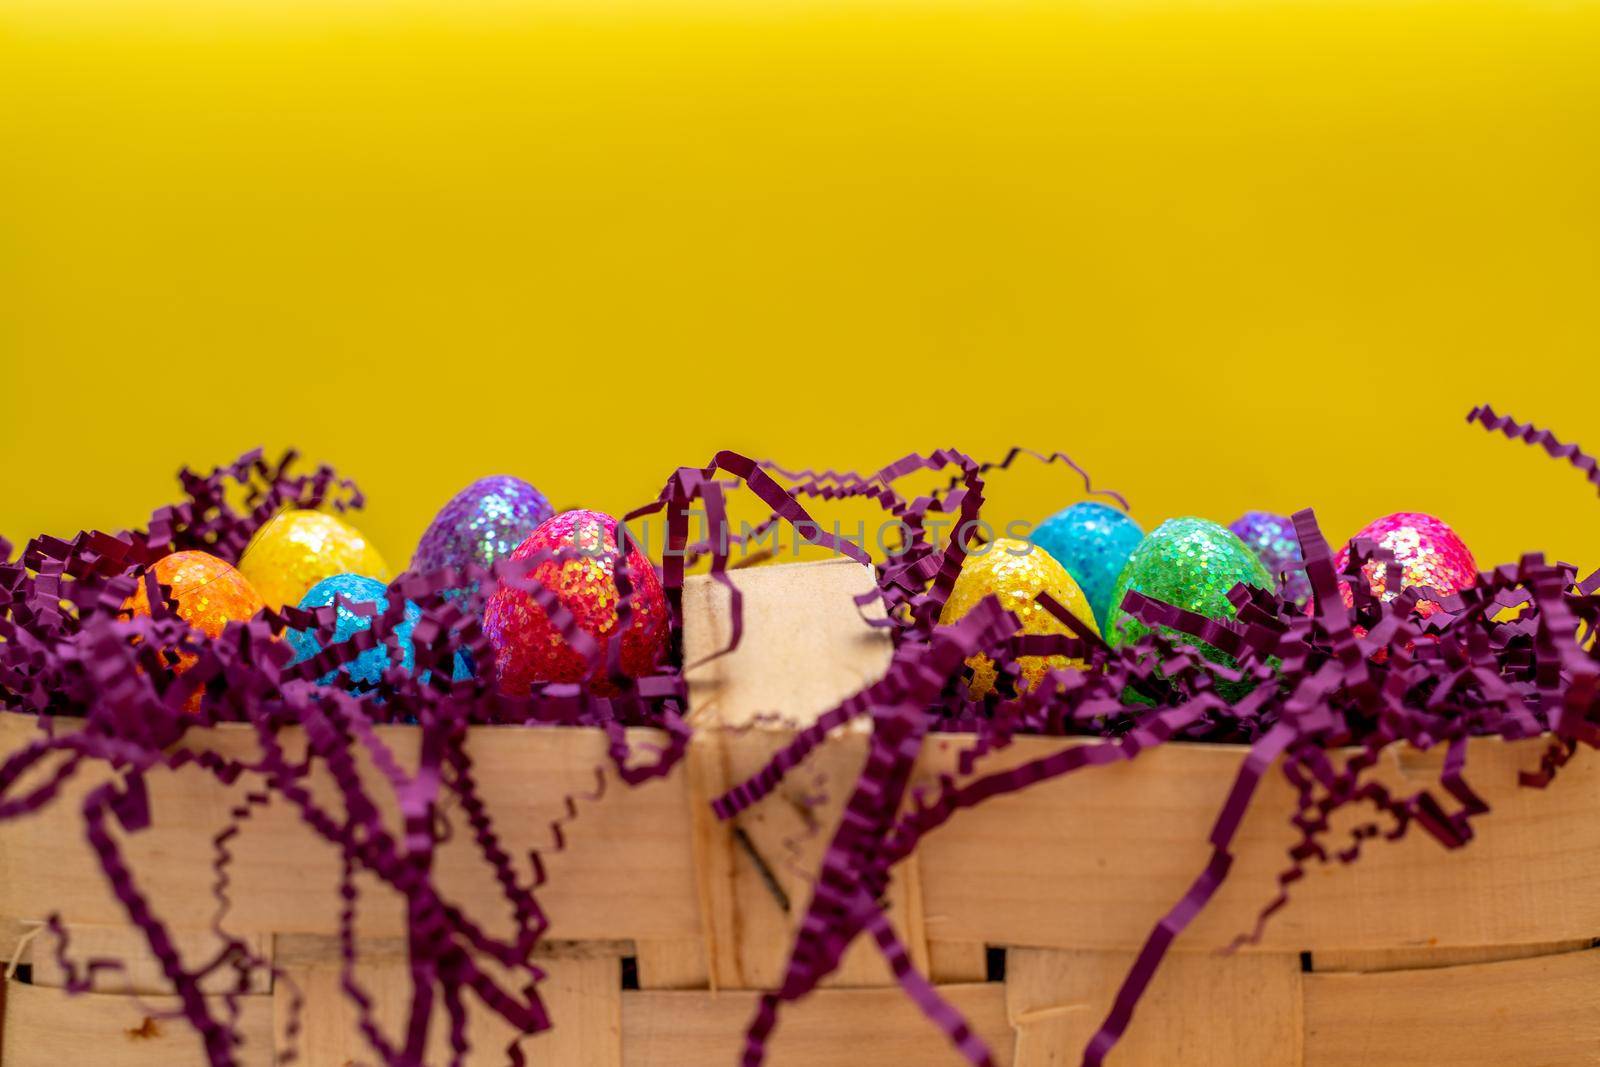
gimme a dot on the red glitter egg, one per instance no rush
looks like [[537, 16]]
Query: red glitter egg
[[1428, 551], [529, 649]]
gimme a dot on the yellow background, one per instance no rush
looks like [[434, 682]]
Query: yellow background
[[1229, 255]]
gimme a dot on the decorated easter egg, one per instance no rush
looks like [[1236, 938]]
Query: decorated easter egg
[[1191, 564], [346, 590], [484, 522], [1273, 540], [295, 550], [209, 592], [1093, 541], [1016, 572], [529, 648], [1428, 551]]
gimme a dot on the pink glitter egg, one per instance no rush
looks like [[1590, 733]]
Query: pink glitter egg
[[1428, 551], [528, 648]]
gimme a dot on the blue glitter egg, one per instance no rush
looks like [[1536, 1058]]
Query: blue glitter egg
[[367, 668], [1093, 542], [1272, 538], [484, 522]]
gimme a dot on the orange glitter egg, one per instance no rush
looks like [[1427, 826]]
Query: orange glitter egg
[[209, 592]]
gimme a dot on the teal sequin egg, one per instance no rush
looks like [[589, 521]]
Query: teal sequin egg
[[1093, 541], [348, 589], [367, 668], [1190, 564]]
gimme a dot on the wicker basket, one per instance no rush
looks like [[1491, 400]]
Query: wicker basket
[[1026, 910]]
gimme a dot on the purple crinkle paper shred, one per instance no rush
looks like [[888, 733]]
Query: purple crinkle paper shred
[[1328, 677], [1326, 688]]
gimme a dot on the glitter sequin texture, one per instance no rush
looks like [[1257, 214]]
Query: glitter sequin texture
[[1272, 538], [1093, 541], [1190, 564], [1016, 572], [367, 668], [297, 549], [484, 522], [209, 592], [529, 649], [1429, 553]]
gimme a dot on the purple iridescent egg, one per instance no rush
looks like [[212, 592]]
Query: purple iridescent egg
[[483, 523], [1272, 538]]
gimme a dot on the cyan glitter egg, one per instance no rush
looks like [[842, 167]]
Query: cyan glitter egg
[[484, 522], [368, 667], [1272, 538], [1190, 564], [1093, 541]]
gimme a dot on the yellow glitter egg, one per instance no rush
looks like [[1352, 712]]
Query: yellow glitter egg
[[297, 549], [1016, 572]]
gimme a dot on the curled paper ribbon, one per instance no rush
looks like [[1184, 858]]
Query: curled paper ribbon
[[1324, 690]]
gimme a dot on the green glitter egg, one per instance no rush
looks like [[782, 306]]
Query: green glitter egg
[[1190, 564]]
